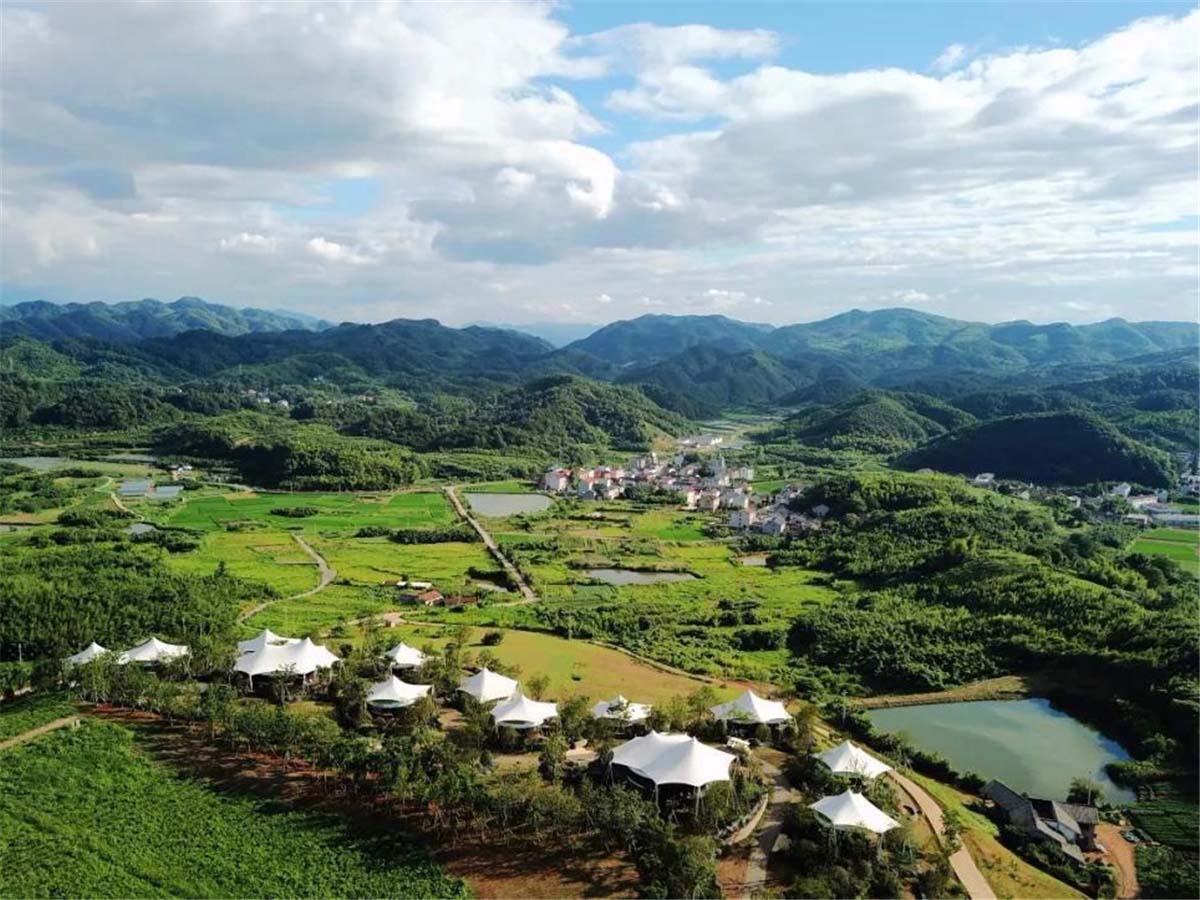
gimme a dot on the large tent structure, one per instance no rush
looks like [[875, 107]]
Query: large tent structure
[[86, 655], [751, 709], [848, 759], [674, 759], [522, 713], [152, 651], [402, 656], [301, 658], [487, 686], [262, 640], [849, 810], [621, 710], [392, 693]]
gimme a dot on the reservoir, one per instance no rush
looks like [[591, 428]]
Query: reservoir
[[632, 576], [1028, 744], [496, 506]]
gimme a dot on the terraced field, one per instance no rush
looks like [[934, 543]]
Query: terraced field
[[1179, 544]]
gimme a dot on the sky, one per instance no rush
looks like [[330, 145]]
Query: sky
[[584, 162]]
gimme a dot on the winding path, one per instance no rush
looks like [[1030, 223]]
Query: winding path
[[64, 722], [527, 594], [328, 573], [755, 880], [960, 860]]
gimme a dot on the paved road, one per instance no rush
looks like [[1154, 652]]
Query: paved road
[[527, 594], [328, 573], [64, 722], [960, 861], [755, 879]]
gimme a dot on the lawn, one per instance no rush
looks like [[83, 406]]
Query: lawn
[[85, 814], [26, 713]]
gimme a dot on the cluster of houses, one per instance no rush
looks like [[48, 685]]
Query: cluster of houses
[[423, 593], [707, 486], [1148, 509], [263, 398], [776, 515]]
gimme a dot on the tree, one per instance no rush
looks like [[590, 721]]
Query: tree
[[537, 685], [1085, 791], [553, 758]]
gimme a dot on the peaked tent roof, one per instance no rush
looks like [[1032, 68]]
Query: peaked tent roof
[[521, 712], [486, 686], [750, 707], [300, 658], [394, 692], [86, 655], [152, 650], [851, 810], [265, 638], [621, 709], [689, 762], [848, 759], [403, 656], [638, 753]]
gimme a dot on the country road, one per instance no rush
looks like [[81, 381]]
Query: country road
[[328, 573], [754, 882], [64, 722], [527, 594]]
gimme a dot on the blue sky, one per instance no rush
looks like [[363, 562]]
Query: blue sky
[[584, 162]]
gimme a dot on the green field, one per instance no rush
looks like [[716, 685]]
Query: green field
[[338, 512], [1179, 544], [26, 713], [85, 814], [1171, 822]]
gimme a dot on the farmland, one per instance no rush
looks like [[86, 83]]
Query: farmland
[[1179, 544], [167, 836]]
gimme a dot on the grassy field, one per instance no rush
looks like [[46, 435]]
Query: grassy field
[[270, 556], [372, 561], [84, 813], [337, 512], [26, 713], [511, 486], [1179, 544], [1171, 822]]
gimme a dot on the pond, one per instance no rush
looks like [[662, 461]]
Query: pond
[[38, 463], [496, 506], [1028, 744], [632, 576]]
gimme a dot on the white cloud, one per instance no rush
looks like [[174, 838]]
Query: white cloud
[[249, 242], [332, 251], [950, 58]]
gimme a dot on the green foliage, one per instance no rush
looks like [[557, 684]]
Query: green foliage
[[874, 421], [1164, 873]]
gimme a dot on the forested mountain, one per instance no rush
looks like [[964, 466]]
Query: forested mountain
[[873, 421], [1048, 448], [653, 337], [136, 320]]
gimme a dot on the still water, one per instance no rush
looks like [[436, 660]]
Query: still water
[[1028, 744], [496, 506], [631, 576]]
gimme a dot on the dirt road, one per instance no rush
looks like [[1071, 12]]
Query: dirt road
[[527, 594], [328, 573], [64, 722]]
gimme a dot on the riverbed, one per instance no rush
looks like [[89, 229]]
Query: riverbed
[[1030, 745]]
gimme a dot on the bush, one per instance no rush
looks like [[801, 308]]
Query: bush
[[492, 638], [295, 512]]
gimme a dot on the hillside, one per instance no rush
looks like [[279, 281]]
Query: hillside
[[137, 320], [873, 421], [654, 337], [1049, 448]]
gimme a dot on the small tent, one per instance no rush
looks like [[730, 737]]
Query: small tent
[[86, 655], [752, 709], [523, 713], [152, 651], [392, 693], [265, 638], [854, 811], [848, 759], [487, 686], [621, 710], [403, 656]]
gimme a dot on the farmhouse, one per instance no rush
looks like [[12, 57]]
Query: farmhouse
[[1070, 827]]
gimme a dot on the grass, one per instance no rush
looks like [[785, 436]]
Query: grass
[[268, 556], [337, 512], [26, 713], [319, 612], [84, 813], [511, 486], [371, 561], [1179, 544], [1009, 875]]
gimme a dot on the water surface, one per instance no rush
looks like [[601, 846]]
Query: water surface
[[631, 576], [39, 463], [496, 506], [1028, 744]]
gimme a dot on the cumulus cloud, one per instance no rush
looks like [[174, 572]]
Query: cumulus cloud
[[373, 160]]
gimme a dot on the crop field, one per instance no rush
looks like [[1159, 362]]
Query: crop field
[[511, 486], [26, 713], [85, 814], [337, 512], [321, 611], [269, 556], [1179, 544], [1171, 822], [375, 560]]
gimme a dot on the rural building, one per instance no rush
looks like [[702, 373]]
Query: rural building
[[1071, 827]]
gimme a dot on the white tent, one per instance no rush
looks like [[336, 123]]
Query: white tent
[[848, 759], [86, 655], [621, 710], [152, 651], [638, 753], [689, 762], [486, 686], [301, 658], [851, 810], [403, 656], [522, 713], [392, 693], [752, 709], [265, 638]]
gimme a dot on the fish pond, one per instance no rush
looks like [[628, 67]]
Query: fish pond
[[496, 506], [1028, 744], [633, 576]]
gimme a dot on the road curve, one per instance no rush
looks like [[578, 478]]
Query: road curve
[[328, 573], [527, 594]]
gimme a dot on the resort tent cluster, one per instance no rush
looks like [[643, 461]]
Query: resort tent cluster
[[302, 658], [151, 651], [673, 759]]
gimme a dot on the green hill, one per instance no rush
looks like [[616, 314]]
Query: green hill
[[654, 337], [872, 421], [1048, 448]]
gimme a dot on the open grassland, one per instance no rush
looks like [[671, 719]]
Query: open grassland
[[511, 486], [372, 561], [1010, 876], [319, 612], [84, 814], [1179, 544], [26, 713], [573, 667], [336, 512], [269, 556]]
